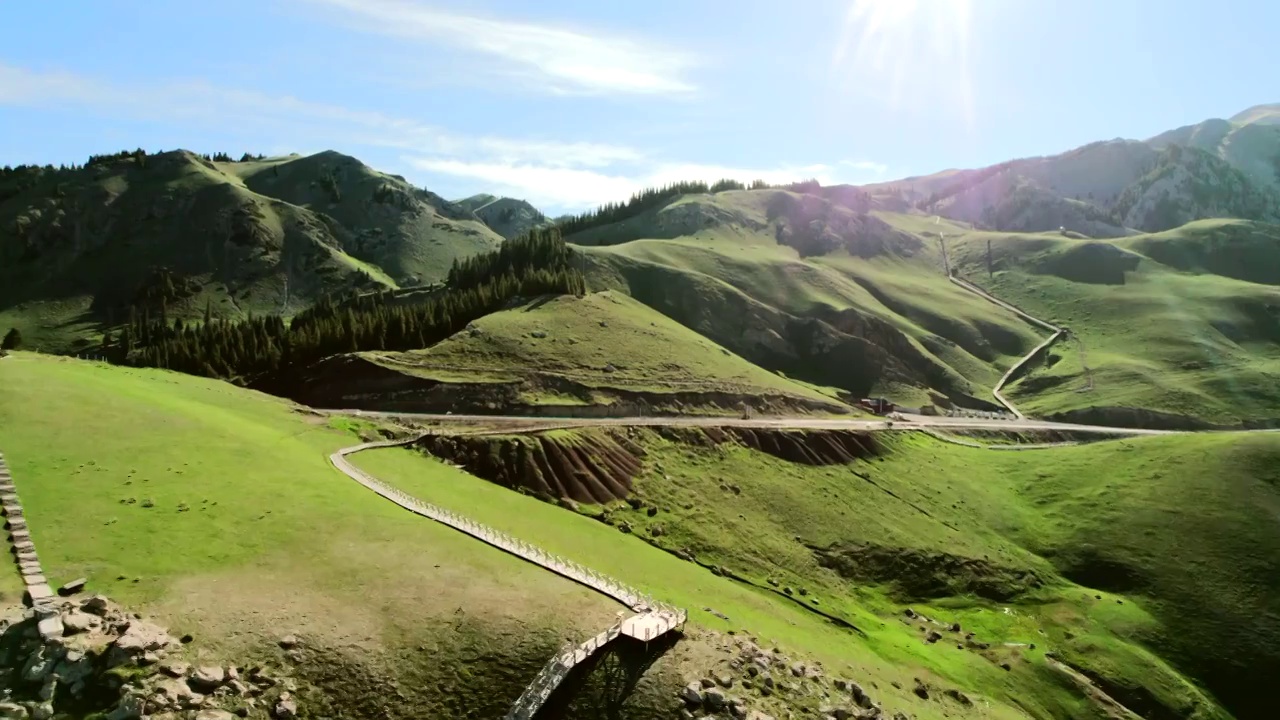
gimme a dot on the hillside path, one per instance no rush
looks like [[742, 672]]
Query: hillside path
[[1056, 331], [652, 620]]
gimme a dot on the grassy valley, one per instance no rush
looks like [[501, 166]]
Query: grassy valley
[[1181, 322]]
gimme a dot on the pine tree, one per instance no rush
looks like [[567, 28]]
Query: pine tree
[[12, 340]]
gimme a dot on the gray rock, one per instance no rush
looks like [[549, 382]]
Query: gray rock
[[286, 708], [692, 693], [797, 669], [129, 708], [12, 711], [288, 642], [139, 637], [175, 669], [78, 622], [539, 334], [96, 605], [214, 715], [708, 683], [713, 698], [725, 680], [44, 711], [72, 587], [207, 679]]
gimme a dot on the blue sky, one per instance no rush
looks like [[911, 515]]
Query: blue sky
[[570, 103]]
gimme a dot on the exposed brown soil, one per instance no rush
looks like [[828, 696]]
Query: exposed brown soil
[[808, 447], [589, 466], [597, 465], [923, 574]]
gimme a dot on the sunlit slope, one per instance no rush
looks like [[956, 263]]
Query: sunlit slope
[[601, 349], [215, 508], [857, 300], [1150, 564], [1185, 322]]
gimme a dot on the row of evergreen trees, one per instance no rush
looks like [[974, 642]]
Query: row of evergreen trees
[[537, 264], [657, 197]]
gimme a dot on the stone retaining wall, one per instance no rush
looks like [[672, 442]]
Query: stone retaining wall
[[38, 592]]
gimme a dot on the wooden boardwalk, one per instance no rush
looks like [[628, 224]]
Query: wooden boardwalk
[[651, 621]]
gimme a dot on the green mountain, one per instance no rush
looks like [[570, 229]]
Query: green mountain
[[176, 233], [508, 217]]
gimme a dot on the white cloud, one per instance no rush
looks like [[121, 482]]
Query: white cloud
[[560, 59], [557, 188], [301, 122], [556, 175]]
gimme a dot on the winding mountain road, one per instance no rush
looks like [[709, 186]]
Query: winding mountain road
[[524, 423]]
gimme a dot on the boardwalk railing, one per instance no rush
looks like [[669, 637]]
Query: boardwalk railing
[[654, 618]]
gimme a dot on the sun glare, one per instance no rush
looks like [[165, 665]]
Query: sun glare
[[904, 51]]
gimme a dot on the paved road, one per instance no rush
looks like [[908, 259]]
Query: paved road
[[907, 422]]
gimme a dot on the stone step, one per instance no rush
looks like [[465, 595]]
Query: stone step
[[11, 510], [39, 593], [31, 570], [8, 497], [19, 534], [31, 580], [16, 522], [22, 545]]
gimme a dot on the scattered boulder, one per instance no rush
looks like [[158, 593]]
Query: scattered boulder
[[78, 622], [692, 693], [708, 683], [921, 690], [96, 605], [208, 678], [713, 699], [175, 669], [286, 708], [214, 715], [725, 680], [288, 642], [73, 587], [933, 637], [958, 696]]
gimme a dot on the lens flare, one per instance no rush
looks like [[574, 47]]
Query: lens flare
[[912, 54]]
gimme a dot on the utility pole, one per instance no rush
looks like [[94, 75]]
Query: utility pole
[[990, 270]]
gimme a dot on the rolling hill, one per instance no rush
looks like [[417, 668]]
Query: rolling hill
[[508, 217], [1184, 322], [178, 233]]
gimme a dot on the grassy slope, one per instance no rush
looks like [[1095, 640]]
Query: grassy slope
[[776, 621], [413, 235], [91, 237], [583, 336], [733, 253], [1180, 528], [274, 540], [1185, 337]]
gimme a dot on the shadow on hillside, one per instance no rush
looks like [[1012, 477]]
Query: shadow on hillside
[[603, 687]]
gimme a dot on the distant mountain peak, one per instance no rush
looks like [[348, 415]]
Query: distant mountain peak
[[1268, 114]]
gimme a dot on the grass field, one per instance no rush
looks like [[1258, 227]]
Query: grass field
[[1194, 332], [591, 349], [1066, 550], [215, 509], [1174, 535]]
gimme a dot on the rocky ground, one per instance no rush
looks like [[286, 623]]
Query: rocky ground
[[761, 683], [119, 666]]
